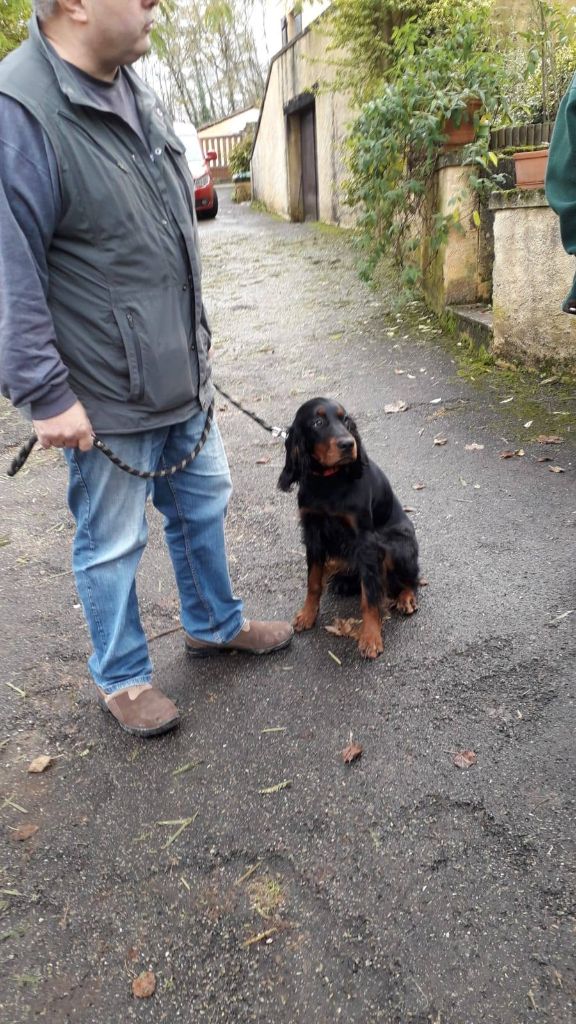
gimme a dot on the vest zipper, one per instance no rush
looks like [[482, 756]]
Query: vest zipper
[[138, 352]]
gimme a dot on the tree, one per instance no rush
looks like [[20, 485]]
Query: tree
[[14, 15], [205, 63]]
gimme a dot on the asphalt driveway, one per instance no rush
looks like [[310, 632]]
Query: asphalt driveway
[[400, 888]]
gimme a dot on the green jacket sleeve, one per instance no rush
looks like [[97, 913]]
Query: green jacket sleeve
[[561, 179]]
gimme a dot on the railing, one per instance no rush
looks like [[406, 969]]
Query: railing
[[221, 144]]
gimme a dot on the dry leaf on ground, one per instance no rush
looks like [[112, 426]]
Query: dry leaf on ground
[[509, 454], [25, 832], [409, 508], [144, 985], [398, 406], [556, 469], [262, 462], [440, 440], [351, 753], [465, 759], [474, 447], [418, 487], [549, 439], [345, 627], [40, 764]]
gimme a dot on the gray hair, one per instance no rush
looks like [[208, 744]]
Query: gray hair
[[45, 8]]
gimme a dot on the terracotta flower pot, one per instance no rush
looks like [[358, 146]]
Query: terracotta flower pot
[[531, 168], [465, 132]]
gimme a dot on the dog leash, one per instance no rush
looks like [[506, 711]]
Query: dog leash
[[20, 459]]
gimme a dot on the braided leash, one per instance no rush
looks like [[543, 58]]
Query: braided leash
[[20, 459]]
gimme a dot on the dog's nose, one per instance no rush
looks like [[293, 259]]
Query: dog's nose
[[346, 444]]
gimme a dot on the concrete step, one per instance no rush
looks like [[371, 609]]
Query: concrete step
[[475, 321]]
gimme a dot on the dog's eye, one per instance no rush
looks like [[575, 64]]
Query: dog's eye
[[347, 421], [318, 422]]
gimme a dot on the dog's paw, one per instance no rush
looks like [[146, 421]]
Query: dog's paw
[[305, 619], [406, 602], [370, 645]]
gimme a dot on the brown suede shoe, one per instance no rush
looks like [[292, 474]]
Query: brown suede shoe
[[253, 638], [142, 710]]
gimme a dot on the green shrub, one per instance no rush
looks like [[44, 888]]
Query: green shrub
[[239, 158]]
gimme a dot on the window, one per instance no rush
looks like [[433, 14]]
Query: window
[[284, 26]]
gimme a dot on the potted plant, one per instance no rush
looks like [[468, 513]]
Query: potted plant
[[548, 68], [460, 128]]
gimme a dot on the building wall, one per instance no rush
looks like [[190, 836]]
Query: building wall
[[233, 125], [294, 71]]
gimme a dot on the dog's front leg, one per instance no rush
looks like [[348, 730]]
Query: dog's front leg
[[370, 643], [308, 614]]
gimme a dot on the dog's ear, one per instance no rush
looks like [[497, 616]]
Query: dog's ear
[[357, 468], [292, 466]]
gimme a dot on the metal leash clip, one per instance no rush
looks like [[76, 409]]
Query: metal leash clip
[[279, 432]]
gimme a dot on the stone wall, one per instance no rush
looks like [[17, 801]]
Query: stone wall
[[531, 276]]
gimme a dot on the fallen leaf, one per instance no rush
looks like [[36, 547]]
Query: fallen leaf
[[132, 954], [262, 462], [276, 789], [345, 627], [559, 618], [408, 508], [473, 447], [399, 371], [549, 439], [556, 469], [440, 440], [260, 937], [435, 401], [418, 487], [40, 764], [423, 582], [25, 832], [351, 753], [144, 985], [398, 406], [509, 454], [529, 423], [465, 759], [548, 380]]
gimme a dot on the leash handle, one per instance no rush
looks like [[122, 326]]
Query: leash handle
[[19, 460]]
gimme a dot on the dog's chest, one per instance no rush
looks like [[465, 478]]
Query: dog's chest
[[332, 533]]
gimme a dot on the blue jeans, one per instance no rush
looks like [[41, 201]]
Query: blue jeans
[[111, 533]]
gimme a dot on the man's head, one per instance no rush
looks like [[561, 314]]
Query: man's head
[[98, 35]]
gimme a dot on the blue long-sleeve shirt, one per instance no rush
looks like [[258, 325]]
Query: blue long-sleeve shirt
[[31, 370]]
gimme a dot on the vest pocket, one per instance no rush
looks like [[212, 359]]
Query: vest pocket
[[133, 350]]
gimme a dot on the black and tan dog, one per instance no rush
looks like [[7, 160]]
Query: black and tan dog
[[354, 528]]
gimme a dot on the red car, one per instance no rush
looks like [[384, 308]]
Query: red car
[[205, 195]]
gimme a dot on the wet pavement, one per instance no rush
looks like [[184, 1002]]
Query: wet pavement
[[400, 888]]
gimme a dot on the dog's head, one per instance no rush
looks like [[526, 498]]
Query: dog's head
[[323, 439]]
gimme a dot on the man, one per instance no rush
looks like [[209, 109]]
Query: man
[[102, 331], [561, 179]]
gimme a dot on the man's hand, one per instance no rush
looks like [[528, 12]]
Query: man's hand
[[71, 429]]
